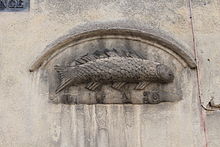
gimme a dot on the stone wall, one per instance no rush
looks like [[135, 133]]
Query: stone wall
[[28, 118]]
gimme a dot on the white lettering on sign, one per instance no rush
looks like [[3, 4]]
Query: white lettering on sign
[[13, 5]]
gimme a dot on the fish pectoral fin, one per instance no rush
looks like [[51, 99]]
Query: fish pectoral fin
[[93, 85], [118, 85], [141, 85]]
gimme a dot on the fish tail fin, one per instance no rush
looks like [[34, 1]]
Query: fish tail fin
[[62, 76]]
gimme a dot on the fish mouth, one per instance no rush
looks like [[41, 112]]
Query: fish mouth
[[165, 73]]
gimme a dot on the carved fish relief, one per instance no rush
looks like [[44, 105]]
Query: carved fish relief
[[111, 66]]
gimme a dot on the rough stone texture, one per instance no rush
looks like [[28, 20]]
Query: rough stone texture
[[29, 119], [206, 22], [108, 94]]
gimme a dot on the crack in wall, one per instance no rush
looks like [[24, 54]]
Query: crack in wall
[[202, 115]]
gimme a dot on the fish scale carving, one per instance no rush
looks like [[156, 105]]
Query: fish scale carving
[[109, 66]]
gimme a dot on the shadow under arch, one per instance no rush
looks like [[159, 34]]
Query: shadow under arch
[[116, 28]]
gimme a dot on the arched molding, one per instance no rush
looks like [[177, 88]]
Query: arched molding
[[118, 28]]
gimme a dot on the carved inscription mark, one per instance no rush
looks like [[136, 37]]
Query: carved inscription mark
[[13, 5], [156, 97]]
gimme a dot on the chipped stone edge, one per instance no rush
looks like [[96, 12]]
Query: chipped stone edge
[[121, 27]]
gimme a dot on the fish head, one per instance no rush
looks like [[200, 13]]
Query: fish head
[[164, 73]]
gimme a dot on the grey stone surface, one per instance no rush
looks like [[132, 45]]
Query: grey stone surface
[[150, 63]]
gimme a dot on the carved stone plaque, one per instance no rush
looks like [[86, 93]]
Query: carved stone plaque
[[116, 69], [14, 5], [114, 74]]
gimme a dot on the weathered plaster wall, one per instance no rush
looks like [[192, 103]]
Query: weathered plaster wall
[[206, 21], [29, 119]]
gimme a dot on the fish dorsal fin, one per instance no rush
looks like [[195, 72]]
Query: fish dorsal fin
[[106, 53], [84, 59], [112, 53], [101, 53], [132, 53], [96, 55]]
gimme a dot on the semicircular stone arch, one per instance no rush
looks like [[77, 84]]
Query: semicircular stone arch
[[116, 29], [153, 45]]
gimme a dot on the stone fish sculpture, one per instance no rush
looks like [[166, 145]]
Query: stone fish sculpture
[[115, 67]]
